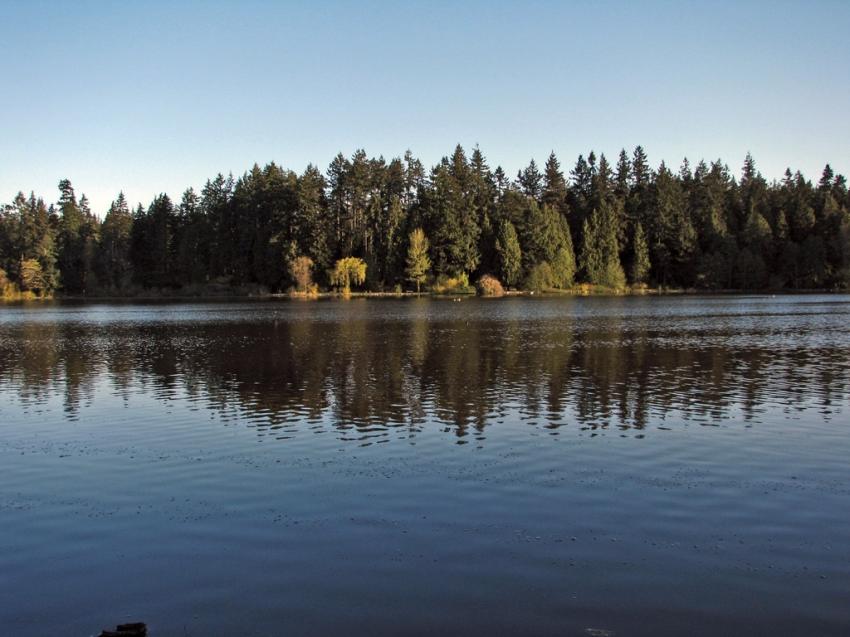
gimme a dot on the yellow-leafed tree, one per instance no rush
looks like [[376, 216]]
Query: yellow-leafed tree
[[347, 272]]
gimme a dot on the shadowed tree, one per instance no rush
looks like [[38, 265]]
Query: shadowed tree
[[510, 255]]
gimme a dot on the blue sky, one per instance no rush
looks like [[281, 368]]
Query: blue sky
[[153, 96]]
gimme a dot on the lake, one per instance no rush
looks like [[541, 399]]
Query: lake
[[547, 466]]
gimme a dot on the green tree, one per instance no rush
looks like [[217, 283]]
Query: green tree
[[671, 234], [510, 255], [554, 185], [418, 261], [564, 268], [70, 242], [113, 255], [531, 181], [190, 242], [541, 278], [600, 255], [640, 260], [452, 219]]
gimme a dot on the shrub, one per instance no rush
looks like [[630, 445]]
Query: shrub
[[541, 278], [489, 286], [8, 290], [301, 270], [452, 284]]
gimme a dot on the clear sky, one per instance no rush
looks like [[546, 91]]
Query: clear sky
[[154, 96]]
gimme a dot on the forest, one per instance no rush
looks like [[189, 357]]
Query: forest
[[393, 225]]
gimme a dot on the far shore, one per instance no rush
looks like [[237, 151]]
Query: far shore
[[578, 291]]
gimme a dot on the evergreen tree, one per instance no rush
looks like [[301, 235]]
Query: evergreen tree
[[580, 193], [71, 248], [554, 185], [113, 255], [600, 252], [672, 238], [451, 217], [622, 174], [698, 226], [564, 263], [510, 255], [188, 248], [640, 262], [531, 181]]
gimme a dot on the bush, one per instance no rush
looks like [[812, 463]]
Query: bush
[[541, 278], [301, 271], [489, 286], [8, 290], [452, 284]]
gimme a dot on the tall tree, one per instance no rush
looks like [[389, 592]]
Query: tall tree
[[600, 258], [531, 181], [510, 254], [418, 262], [71, 241], [113, 255], [640, 262]]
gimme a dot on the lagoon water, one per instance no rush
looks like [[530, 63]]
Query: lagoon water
[[555, 466]]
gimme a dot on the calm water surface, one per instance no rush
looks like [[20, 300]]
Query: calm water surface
[[643, 466]]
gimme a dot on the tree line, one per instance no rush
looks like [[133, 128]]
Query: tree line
[[389, 225]]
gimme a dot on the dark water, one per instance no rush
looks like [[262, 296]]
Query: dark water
[[663, 466]]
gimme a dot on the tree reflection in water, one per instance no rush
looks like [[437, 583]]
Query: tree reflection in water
[[366, 371]]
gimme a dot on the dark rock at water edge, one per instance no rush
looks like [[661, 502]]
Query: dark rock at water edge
[[136, 629]]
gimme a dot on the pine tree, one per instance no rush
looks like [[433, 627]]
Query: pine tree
[[554, 185], [510, 255], [621, 176], [693, 227], [71, 246], [531, 181], [672, 238], [113, 255], [564, 263], [600, 251], [640, 262], [452, 223]]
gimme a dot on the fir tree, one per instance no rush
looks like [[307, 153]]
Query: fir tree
[[640, 260], [510, 255], [530, 181], [554, 185], [113, 256], [600, 251]]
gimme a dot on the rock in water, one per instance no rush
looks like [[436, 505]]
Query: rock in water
[[136, 629]]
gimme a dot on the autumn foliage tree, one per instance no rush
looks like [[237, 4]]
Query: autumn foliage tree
[[418, 261], [301, 270], [347, 272]]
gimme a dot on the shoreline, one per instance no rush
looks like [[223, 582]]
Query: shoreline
[[575, 292]]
